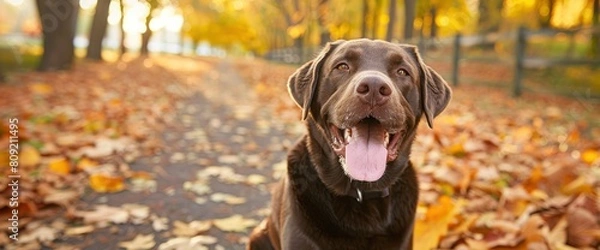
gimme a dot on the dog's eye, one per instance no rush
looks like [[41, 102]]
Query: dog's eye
[[343, 66], [402, 72]]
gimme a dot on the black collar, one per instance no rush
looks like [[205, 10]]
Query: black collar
[[360, 196]]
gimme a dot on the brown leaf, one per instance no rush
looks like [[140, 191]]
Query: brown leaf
[[582, 227]]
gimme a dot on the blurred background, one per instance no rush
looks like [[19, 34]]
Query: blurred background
[[546, 45], [148, 124]]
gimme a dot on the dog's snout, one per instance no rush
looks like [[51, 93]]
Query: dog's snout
[[373, 90]]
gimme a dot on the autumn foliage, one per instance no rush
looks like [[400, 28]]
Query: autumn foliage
[[495, 172]]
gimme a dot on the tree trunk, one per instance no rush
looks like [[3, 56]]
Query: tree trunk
[[545, 20], [146, 36], [434, 28], [122, 47], [365, 9], [148, 33], [58, 18], [98, 30], [392, 14], [375, 20], [323, 10], [409, 18], [595, 46], [490, 16]]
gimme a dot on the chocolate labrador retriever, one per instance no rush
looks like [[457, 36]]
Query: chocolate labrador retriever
[[350, 184]]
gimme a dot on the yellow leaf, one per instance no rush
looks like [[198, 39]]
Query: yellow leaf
[[429, 230], [456, 149], [41, 88], [29, 156], [589, 156], [102, 183], [580, 185], [60, 165]]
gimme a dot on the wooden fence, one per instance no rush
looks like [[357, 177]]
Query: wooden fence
[[521, 60]]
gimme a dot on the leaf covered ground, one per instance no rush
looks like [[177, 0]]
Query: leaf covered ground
[[179, 153]]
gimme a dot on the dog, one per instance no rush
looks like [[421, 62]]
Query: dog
[[350, 183]]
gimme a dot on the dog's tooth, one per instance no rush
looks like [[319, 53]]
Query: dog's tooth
[[348, 134], [342, 161], [386, 141]]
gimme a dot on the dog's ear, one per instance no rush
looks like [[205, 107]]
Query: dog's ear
[[302, 85], [435, 92]]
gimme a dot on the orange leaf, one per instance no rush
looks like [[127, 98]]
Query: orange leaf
[[102, 183], [41, 88], [60, 165], [429, 230], [590, 156]]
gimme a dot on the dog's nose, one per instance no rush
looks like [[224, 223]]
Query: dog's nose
[[373, 90]]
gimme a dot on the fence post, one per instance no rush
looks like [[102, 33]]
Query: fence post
[[519, 58], [455, 59]]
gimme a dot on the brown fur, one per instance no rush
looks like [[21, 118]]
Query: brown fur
[[311, 208]]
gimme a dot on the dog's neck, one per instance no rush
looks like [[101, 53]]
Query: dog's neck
[[362, 196]]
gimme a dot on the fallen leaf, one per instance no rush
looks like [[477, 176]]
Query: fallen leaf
[[39, 233], [103, 183], [137, 212], [256, 179], [235, 223], [59, 165], [190, 229], [140, 242], [428, 230], [29, 156], [227, 198], [159, 223], [590, 156], [86, 163], [581, 227], [182, 243], [199, 187], [71, 231], [61, 197], [103, 213]]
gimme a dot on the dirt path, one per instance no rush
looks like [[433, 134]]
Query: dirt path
[[221, 127]]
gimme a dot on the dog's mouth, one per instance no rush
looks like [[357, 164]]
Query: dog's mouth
[[365, 148]]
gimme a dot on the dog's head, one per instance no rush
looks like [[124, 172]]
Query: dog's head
[[365, 98]]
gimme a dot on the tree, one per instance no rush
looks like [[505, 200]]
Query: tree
[[365, 9], [433, 28], [58, 18], [323, 9], [410, 7], [94, 50], [122, 47], [490, 16], [153, 4], [392, 14], [546, 10], [294, 18], [595, 46]]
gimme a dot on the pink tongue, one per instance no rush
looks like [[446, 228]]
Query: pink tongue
[[366, 154]]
